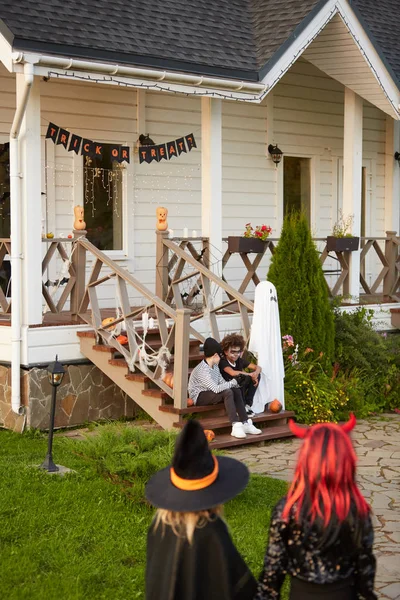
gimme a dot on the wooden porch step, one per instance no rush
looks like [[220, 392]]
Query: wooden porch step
[[169, 408], [223, 422], [144, 379], [86, 334], [225, 440], [118, 362]]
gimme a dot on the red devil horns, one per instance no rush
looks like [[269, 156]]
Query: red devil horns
[[302, 432], [351, 423], [299, 432]]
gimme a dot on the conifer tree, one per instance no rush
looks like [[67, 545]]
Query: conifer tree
[[304, 307]]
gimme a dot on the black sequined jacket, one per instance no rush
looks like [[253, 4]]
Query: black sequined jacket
[[299, 553]]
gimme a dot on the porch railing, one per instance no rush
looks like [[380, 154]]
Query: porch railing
[[173, 325]]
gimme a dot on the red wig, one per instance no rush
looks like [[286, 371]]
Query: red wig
[[324, 486]]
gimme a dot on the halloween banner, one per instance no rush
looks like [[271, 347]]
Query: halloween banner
[[167, 151], [86, 147]]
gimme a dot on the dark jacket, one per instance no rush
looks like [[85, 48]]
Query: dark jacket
[[208, 569], [300, 553]]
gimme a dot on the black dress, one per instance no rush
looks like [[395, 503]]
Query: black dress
[[208, 569], [339, 569]]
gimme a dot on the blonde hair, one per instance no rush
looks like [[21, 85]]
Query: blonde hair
[[183, 524]]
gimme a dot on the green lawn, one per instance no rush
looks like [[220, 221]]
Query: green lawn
[[84, 535]]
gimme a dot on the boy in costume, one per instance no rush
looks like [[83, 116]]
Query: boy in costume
[[207, 386], [190, 554], [232, 366]]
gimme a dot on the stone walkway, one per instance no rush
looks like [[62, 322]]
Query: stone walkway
[[377, 443]]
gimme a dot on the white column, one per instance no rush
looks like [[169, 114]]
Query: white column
[[31, 206], [352, 173], [211, 183], [392, 176]]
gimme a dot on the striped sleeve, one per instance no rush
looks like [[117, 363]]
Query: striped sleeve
[[205, 379]]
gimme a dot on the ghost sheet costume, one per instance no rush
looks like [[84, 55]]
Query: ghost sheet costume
[[266, 343]]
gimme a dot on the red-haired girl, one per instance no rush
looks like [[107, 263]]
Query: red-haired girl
[[321, 533]]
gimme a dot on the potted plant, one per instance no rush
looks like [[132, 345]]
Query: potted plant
[[252, 241], [341, 239]]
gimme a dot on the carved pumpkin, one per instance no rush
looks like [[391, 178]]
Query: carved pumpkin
[[275, 406], [162, 223], [79, 223], [107, 321], [210, 435]]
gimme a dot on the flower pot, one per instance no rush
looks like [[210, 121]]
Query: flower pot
[[245, 245], [344, 244]]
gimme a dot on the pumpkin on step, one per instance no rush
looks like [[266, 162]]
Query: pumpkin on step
[[210, 435], [168, 379], [275, 406], [190, 402], [122, 339], [106, 322]]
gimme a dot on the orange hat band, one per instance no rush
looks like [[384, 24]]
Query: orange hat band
[[191, 485]]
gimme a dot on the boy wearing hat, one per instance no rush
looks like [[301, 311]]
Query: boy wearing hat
[[190, 554], [207, 386]]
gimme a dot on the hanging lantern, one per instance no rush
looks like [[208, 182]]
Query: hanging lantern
[[276, 153]]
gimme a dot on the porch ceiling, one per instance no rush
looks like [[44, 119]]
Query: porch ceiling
[[336, 53]]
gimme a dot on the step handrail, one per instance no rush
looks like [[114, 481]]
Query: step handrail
[[178, 336]]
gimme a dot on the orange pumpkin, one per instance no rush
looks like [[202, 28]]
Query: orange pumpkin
[[122, 339], [210, 435], [168, 379], [107, 322], [190, 402], [275, 406]]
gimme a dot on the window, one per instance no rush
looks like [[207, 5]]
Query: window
[[5, 214], [296, 185], [102, 189]]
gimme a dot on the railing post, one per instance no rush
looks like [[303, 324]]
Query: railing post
[[181, 357], [79, 264], [161, 266], [391, 250]]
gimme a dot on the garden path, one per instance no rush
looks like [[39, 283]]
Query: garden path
[[377, 441]]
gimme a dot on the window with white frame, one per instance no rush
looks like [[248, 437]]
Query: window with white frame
[[102, 190]]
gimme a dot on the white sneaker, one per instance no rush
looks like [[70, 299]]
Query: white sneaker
[[238, 430], [249, 428]]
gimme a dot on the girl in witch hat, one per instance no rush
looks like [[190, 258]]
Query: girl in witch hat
[[190, 554], [321, 533]]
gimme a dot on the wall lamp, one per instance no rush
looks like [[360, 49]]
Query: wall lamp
[[276, 153], [397, 157]]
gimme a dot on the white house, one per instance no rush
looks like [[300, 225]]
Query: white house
[[321, 80]]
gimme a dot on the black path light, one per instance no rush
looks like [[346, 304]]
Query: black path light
[[276, 153], [55, 372]]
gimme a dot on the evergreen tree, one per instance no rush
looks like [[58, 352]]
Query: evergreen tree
[[304, 307]]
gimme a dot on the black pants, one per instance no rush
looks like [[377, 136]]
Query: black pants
[[248, 390], [341, 590], [233, 400]]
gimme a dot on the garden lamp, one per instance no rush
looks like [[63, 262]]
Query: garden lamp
[[55, 373]]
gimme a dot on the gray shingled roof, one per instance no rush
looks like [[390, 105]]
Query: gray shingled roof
[[236, 38]]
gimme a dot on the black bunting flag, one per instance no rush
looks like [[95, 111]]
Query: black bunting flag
[[97, 150], [63, 137], [87, 148], [162, 152], [144, 154], [52, 132], [191, 142], [180, 144], [75, 143], [125, 156], [171, 148], [115, 152]]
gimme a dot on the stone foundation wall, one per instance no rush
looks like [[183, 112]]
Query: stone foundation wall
[[86, 394]]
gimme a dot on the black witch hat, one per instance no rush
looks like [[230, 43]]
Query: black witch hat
[[196, 480]]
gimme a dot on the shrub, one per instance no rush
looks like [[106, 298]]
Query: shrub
[[296, 272]]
